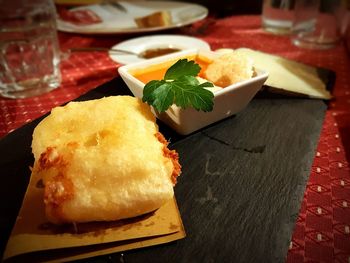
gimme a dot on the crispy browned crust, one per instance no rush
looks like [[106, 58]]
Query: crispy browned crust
[[172, 155], [48, 159], [58, 189]]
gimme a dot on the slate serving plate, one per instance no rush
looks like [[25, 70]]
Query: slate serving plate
[[240, 190]]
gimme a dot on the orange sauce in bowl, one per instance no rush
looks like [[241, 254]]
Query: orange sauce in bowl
[[157, 72]]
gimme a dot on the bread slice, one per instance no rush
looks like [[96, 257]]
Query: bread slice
[[103, 160], [157, 19]]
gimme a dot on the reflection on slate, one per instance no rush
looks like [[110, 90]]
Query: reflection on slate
[[240, 191]]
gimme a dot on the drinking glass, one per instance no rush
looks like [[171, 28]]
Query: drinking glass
[[29, 57], [318, 24], [278, 15]]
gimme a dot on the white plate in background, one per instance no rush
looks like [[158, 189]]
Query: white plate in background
[[115, 20], [140, 44]]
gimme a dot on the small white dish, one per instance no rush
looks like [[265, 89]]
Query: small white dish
[[141, 44], [227, 101], [117, 21]]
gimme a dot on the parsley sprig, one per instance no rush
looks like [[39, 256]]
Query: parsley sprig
[[181, 87]]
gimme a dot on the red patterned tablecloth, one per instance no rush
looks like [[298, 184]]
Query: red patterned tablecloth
[[322, 230]]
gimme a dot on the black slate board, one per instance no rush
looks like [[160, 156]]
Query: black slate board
[[240, 190]]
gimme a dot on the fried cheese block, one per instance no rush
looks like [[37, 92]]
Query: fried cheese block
[[229, 68], [103, 160]]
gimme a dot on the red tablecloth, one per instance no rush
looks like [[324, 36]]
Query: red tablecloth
[[322, 230]]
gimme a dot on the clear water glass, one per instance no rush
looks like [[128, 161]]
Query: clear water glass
[[30, 56], [318, 24], [277, 16]]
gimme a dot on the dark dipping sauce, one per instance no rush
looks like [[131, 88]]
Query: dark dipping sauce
[[156, 52]]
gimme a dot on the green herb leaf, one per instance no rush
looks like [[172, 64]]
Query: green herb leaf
[[149, 88], [163, 97], [181, 68], [180, 87]]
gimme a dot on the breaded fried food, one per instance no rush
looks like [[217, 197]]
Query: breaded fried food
[[229, 68], [103, 160]]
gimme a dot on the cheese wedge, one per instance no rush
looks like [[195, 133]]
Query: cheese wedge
[[289, 76]]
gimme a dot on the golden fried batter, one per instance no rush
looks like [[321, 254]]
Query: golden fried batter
[[229, 68], [103, 160]]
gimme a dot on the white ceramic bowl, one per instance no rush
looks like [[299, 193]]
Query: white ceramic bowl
[[227, 101]]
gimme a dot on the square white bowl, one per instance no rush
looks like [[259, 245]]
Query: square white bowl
[[227, 101]]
